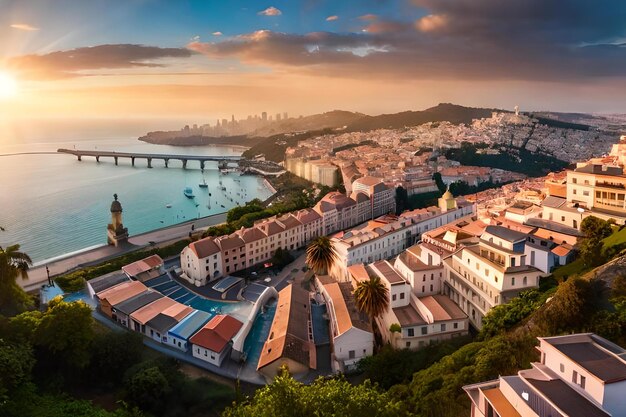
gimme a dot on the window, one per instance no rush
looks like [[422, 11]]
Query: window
[[574, 180], [574, 191], [586, 193], [443, 327], [525, 281], [402, 296], [431, 287], [410, 332], [408, 344], [393, 297], [582, 381], [574, 377], [424, 330], [512, 261], [455, 325], [513, 281], [562, 218]]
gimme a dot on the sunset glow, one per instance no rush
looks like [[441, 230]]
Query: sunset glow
[[8, 86]]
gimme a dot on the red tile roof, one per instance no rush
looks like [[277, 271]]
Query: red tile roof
[[217, 333], [143, 265], [204, 247]]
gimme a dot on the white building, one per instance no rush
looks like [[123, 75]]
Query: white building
[[578, 375], [421, 320], [213, 342], [491, 272], [388, 236], [351, 330], [201, 262]]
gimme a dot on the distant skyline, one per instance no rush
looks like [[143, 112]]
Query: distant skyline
[[207, 59]]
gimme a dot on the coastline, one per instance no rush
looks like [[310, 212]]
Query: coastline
[[92, 255]]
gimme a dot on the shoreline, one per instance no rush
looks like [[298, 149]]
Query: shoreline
[[37, 275]]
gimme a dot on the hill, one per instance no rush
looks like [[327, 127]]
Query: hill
[[443, 112]]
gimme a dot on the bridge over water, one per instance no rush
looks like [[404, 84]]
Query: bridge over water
[[150, 156]]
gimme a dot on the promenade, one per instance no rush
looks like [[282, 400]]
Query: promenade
[[156, 238]]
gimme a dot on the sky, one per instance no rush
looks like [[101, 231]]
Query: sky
[[207, 59]]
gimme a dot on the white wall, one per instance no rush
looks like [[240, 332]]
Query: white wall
[[357, 340], [208, 355]]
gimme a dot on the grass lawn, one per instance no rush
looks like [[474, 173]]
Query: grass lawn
[[615, 239]]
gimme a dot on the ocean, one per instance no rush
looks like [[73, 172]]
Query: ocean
[[52, 204]]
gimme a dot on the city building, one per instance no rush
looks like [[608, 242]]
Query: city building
[[350, 329], [289, 342], [578, 375], [158, 325], [109, 298], [419, 320], [201, 262], [388, 236], [382, 198], [105, 282], [123, 310], [480, 276], [213, 342]]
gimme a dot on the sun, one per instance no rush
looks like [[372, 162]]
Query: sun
[[8, 86]]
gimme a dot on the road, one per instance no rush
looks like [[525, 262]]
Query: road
[[37, 275]]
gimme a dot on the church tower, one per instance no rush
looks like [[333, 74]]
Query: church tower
[[447, 201], [116, 232]]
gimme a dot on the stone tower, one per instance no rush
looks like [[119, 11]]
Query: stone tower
[[116, 232]]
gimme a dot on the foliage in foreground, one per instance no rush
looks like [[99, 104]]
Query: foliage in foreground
[[286, 397]]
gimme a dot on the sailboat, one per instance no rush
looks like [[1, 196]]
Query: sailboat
[[203, 184]]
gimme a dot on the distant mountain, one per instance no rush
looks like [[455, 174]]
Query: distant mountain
[[444, 112]]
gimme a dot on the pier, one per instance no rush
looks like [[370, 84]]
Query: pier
[[202, 159]]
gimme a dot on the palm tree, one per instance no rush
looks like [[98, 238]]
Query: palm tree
[[13, 264], [372, 297], [320, 255]]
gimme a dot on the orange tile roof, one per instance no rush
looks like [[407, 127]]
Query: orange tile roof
[[217, 333], [145, 314], [143, 265], [122, 292], [204, 247], [178, 311], [562, 250]]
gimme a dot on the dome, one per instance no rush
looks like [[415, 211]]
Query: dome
[[116, 206]]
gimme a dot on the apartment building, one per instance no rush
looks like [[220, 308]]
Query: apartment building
[[480, 276], [578, 375], [338, 211], [382, 198], [422, 320], [214, 257], [389, 235]]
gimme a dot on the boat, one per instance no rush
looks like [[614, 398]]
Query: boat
[[203, 184], [168, 206], [188, 192]]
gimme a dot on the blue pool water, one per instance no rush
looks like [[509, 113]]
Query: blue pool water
[[258, 334]]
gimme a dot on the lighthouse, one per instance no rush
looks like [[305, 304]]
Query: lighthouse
[[116, 232]]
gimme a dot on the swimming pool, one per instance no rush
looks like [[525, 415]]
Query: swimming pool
[[258, 334]]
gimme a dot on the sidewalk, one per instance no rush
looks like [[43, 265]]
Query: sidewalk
[[37, 275]]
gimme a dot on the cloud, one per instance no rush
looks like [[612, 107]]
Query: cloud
[[195, 38], [270, 11], [461, 39], [24, 26], [218, 33], [332, 18], [70, 63], [368, 16], [431, 23]]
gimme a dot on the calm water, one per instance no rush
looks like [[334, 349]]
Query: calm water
[[53, 204]]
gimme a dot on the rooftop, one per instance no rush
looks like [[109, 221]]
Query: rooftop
[[387, 272], [408, 316], [442, 308], [204, 247], [140, 300], [143, 265], [107, 281], [505, 233], [217, 333], [190, 324], [289, 334], [591, 355], [122, 292], [145, 314]]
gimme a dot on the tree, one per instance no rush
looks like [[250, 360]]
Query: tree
[[439, 181], [16, 363], [595, 228], [372, 297], [148, 389], [286, 397], [13, 264], [321, 255], [66, 332]]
